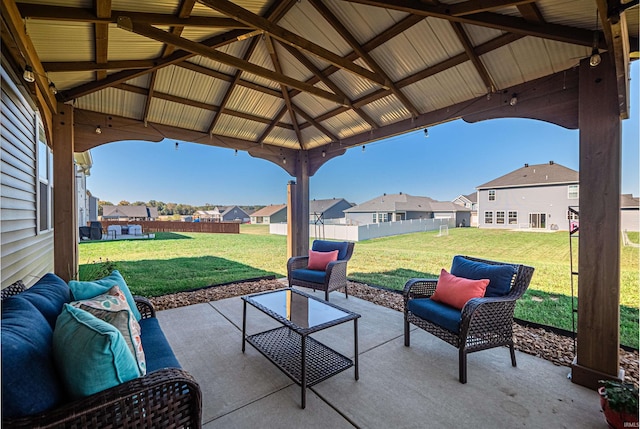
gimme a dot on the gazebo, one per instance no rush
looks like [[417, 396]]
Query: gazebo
[[298, 82]]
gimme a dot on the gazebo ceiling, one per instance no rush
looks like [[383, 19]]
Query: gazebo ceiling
[[273, 77]]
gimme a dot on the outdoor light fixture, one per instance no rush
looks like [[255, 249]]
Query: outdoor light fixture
[[324, 153], [52, 88], [362, 148], [98, 130], [514, 100], [28, 74], [177, 144], [236, 154], [284, 160], [426, 132], [595, 58]]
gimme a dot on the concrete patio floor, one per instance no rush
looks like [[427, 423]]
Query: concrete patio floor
[[399, 387]]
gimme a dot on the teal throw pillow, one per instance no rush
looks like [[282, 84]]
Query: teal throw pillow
[[91, 355], [91, 289]]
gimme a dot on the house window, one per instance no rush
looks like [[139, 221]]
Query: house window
[[45, 182], [513, 218], [488, 217], [492, 195], [380, 217], [574, 192], [571, 215], [500, 217]]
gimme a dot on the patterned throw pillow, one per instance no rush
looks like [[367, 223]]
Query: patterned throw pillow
[[112, 307]]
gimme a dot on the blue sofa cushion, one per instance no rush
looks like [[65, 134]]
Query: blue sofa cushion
[[440, 314], [89, 289], [307, 275], [48, 295], [30, 383], [157, 350], [328, 246], [500, 276]]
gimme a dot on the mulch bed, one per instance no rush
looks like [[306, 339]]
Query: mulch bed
[[534, 341]]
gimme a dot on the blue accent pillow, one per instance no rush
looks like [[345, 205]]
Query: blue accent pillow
[[90, 354], [500, 276], [48, 295], [91, 289], [328, 246], [30, 383]]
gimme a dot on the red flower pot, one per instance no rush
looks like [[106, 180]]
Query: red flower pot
[[616, 419]]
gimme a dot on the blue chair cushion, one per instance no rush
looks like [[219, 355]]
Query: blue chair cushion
[[30, 383], [440, 314], [328, 246], [90, 289], [306, 275], [500, 276], [157, 350], [48, 295]]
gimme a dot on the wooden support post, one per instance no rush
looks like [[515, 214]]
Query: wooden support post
[[65, 215], [599, 248], [298, 209]]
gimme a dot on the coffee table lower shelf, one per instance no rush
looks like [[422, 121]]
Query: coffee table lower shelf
[[283, 347]]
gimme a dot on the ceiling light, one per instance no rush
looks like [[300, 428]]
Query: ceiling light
[[362, 148], [98, 130], [514, 100], [236, 154], [52, 88], [426, 132], [28, 74], [324, 153], [284, 160], [595, 58]]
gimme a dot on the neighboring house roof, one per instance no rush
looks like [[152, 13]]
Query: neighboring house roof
[[269, 210], [404, 203], [129, 211], [628, 201], [321, 206], [532, 175], [472, 197]]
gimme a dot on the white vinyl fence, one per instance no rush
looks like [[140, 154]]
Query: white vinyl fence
[[368, 231]]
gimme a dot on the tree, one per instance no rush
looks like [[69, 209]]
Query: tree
[[124, 203]]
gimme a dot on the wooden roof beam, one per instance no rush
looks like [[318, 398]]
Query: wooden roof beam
[[101, 35], [512, 24], [355, 45], [13, 21], [475, 59], [236, 12], [73, 14], [200, 49], [232, 85], [184, 11], [285, 94], [470, 7]]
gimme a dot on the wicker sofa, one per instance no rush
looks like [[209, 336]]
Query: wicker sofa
[[33, 394]]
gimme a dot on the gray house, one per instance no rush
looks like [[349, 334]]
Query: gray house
[[534, 196], [223, 214], [331, 210], [270, 214], [397, 207], [469, 201], [129, 213]]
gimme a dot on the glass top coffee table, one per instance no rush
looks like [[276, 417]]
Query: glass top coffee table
[[304, 359]]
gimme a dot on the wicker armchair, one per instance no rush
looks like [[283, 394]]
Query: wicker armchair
[[483, 322], [167, 398], [333, 278]]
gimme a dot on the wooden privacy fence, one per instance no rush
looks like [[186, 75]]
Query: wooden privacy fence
[[171, 226]]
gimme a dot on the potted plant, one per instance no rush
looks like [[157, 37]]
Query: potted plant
[[619, 402]]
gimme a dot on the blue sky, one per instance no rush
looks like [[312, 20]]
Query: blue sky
[[453, 160]]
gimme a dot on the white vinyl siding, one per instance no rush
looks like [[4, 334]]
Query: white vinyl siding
[[26, 255]]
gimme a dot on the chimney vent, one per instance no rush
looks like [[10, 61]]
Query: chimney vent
[[550, 162], [526, 165]]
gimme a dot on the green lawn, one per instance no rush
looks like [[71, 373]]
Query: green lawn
[[174, 262]]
